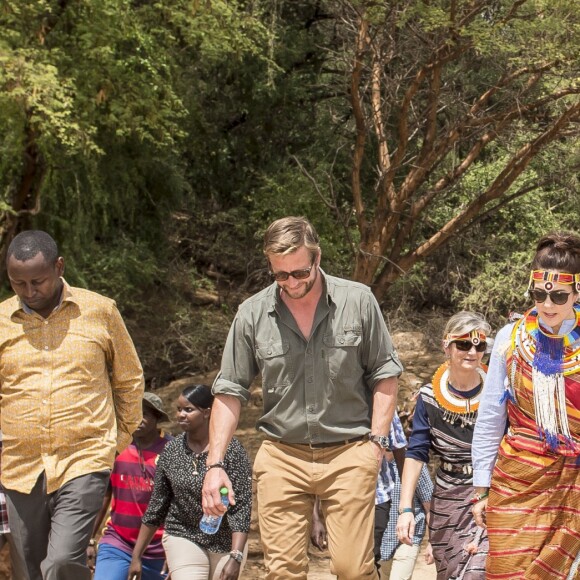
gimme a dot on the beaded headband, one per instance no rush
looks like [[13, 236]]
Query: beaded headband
[[551, 277], [475, 336]]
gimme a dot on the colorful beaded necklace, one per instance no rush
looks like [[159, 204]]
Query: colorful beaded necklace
[[456, 407], [562, 350], [551, 357]]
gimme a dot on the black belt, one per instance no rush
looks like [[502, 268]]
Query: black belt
[[335, 443]]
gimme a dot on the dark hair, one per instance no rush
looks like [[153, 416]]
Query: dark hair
[[558, 251], [28, 244], [199, 396]]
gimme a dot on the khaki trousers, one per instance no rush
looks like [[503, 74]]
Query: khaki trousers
[[288, 478], [188, 561], [401, 566]]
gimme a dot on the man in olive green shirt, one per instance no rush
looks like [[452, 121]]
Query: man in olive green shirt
[[329, 380]]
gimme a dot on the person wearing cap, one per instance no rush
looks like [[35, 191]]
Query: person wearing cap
[[71, 386], [129, 493]]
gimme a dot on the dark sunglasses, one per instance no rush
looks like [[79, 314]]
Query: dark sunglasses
[[467, 345], [296, 274], [558, 297]]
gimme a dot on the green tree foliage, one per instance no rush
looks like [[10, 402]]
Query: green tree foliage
[[98, 100], [457, 107]]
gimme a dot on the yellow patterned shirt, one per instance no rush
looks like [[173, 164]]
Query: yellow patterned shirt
[[71, 387]]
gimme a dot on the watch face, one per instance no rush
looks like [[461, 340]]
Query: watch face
[[381, 440]]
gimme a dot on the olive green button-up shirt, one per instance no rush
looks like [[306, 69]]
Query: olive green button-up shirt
[[71, 388], [317, 390]]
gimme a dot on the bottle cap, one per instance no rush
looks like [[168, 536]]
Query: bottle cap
[[224, 490]]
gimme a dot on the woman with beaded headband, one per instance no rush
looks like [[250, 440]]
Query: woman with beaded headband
[[444, 419], [532, 511]]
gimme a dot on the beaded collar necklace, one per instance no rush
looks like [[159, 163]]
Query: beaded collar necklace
[[551, 357], [534, 329], [456, 407], [563, 350]]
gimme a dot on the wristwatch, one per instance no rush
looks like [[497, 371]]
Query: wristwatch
[[381, 440], [237, 556]]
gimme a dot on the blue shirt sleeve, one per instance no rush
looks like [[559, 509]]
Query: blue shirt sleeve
[[424, 490], [397, 439], [492, 413], [420, 441]]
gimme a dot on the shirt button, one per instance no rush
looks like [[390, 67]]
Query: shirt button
[[46, 322], [308, 351], [309, 379], [341, 340], [44, 401], [46, 347], [311, 408], [269, 351]]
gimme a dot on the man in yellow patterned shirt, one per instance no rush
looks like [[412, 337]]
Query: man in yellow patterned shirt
[[71, 386]]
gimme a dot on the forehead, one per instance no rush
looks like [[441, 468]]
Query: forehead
[[298, 260], [36, 267], [183, 402]]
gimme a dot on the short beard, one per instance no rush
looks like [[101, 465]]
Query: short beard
[[306, 289]]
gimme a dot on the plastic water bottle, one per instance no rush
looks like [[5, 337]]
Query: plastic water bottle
[[211, 524]]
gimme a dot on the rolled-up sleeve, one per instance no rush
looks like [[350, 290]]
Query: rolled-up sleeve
[[420, 440], [127, 382], [379, 357], [239, 367], [492, 413]]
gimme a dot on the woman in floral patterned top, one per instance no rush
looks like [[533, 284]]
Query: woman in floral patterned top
[[176, 500]]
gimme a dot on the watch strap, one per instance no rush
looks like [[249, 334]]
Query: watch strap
[[406, 510]]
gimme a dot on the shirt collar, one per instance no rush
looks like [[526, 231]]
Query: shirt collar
[[67, 295], [273, 292]]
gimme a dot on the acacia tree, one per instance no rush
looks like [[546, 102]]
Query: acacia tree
[[453, 103]]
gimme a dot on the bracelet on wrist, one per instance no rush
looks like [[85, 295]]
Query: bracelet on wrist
[[406, 510], [218, 464], [479, 496], [92, 543], [237, 556]]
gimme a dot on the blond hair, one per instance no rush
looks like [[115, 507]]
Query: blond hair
[[289, 234]]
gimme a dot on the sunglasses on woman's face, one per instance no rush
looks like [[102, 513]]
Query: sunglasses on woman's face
[[558, 297], [467, 345]]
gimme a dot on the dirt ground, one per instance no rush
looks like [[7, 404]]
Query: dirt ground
[[420, 360]]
